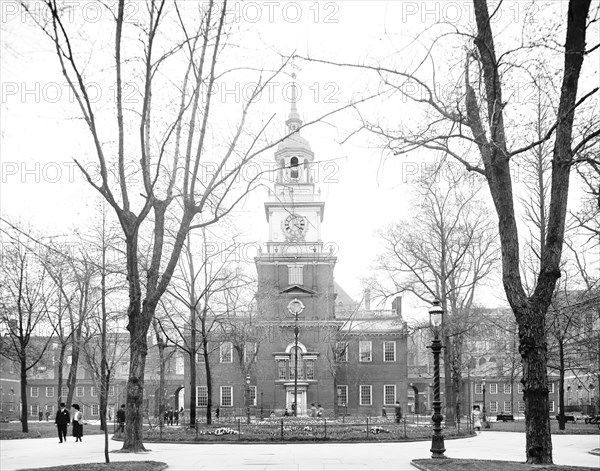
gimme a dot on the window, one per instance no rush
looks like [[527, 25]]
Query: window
[[507, 388], [521, 407], [520, 388], [111, 390], [389, 351], [35, 391], [507, 406], [226, 352], [295, 275], [93, 391], [64, 392], [365, 395], [493, 388], [179, 365], [95, 410], [551, 405], [365, 348], [282, 369], [342, 395], [551, 388], [252, 391], [79, 391], [249, 352], [294, 167], [226, 396], [310, 369], [199, 357], [293, 364], [34, 410], [493, 407], [389, 394], [49, 391], [478, 389], [201, 396], [341, 351]]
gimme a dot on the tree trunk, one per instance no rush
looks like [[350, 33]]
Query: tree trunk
[[561, 386], [24, 423], [193, 399], [208, 380]]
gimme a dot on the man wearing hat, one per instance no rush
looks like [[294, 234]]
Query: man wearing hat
[[62, 420]]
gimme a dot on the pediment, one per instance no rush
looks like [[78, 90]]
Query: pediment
[[297, 289]]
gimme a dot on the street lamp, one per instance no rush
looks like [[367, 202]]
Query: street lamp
[[486, 424], [247, 399], [295, 307], [437, 440]]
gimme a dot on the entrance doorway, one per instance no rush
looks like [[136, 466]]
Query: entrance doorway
[[301, 400]]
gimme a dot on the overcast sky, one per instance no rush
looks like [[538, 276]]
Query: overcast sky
[[364, 190]]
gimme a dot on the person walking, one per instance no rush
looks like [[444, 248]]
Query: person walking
[[477, 419], [320, 411], [170, 416], [398, 412], [77, 423], [121, 419], [62, 421], [176, 417], [313, 411]]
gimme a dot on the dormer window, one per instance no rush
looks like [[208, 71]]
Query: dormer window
[[294, 167]]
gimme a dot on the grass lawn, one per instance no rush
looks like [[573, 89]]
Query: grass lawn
[[570, 428], [12, 430], [117, 466], [488, 465]]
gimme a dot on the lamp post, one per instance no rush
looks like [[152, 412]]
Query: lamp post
[[437, 440], [486, 424], [295, 307], [247, 399]]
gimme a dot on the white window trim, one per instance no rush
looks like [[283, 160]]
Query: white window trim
[[551, 388], [65, 392], [51, 390], [77, 391], [360, 394], [394, 398], [198, 396], [507, 388], [493, 388], [95, 410], [37, 391], [362, 342], [507, 406], [393, 342], [341, 358], [94, 391], [345, 387], [478, 388], [493, 407], [551, 406], [230, 388], [221, 356]]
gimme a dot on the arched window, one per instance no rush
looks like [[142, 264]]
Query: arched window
[[294, 167], [292, 363]]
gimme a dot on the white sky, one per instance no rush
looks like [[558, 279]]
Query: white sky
[[41, 131]]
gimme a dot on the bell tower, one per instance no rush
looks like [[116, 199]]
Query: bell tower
[[295, 263]]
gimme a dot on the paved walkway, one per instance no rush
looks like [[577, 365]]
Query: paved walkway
[[36, 453]]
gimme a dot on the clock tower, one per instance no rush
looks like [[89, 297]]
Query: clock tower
[[296, 292]]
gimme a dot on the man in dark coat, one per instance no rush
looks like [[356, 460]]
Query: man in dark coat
[[62, 420], [121, 419], [398, 412]]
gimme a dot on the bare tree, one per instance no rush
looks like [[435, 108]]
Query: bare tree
[[445, 251], [25, 292], [475, 117]]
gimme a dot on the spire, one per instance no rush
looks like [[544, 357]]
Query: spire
[[293, 122]]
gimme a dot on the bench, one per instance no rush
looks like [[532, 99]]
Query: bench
[[568, 418], [505, 417]]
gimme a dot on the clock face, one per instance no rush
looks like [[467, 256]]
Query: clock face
[[294, 226]]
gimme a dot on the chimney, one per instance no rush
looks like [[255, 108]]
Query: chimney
[[367, 299], [397, 306]]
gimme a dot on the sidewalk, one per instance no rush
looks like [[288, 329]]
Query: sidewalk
[[17, 454]]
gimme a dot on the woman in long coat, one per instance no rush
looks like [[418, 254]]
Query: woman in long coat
[[77, 423]]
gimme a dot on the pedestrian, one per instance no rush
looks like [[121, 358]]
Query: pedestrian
[[398, 412], [170, 416], [286, 413], [176, 417], [77, 423], [40, 415], [313, 410], [47, 415], [476, 419], [383, 413], [62, 421], [121, 419], [217, 412], [181, 414], [320, 411]]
